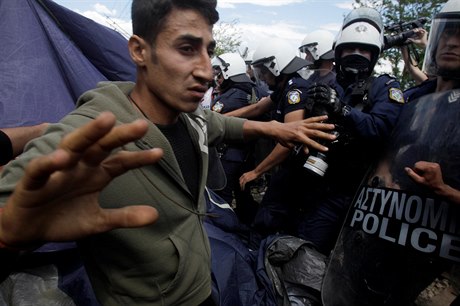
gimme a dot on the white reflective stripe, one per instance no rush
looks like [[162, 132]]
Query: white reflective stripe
[[221, 205], [202, 133]]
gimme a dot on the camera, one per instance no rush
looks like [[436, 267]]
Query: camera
[[399, 32], [316, 161]]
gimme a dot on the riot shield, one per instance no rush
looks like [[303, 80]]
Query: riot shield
[[398, 235]]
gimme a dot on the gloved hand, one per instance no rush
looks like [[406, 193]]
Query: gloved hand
[[324, 96]]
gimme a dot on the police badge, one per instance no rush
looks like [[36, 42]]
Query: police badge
[[218, 107], [293, 97], [396, 95]]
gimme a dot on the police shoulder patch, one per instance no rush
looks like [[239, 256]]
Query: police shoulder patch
[[396, 95], [218, 107], [293, 97]]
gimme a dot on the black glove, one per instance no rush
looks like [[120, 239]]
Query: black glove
[[324, 99]]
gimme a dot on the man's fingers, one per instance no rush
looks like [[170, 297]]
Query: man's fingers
[[96, 139], [243, 181], [39, 169], [117, 137], [316, 119], [123, 161], [319, 127], [128, 217], [413, 175], [310, 140], [84, 137], [310, 143]]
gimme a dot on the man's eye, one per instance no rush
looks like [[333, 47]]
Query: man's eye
[[211, 52], [187, 49]]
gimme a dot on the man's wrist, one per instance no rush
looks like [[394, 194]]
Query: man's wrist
[[15, 248]]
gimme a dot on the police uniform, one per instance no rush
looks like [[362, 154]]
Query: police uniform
[[425, 88], [237, 159], [429, 143], [278, 203], [291, 98], [372, 107]]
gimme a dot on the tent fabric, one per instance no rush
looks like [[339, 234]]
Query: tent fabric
[[49, 56]]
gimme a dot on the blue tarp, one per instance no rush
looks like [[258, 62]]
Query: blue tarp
[[238, 271], [49, 56]]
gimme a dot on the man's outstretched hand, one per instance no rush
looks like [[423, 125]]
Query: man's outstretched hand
[[429, 174], [57, 198]]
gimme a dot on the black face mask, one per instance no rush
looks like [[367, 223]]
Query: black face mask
[[354, 67], [355, 64]]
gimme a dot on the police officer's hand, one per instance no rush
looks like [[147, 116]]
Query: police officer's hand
[[320, 95], [248, 177]]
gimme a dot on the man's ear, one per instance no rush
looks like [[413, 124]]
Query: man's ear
[[138, 50]]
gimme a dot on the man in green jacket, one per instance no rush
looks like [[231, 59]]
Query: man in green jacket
[[129, 185]]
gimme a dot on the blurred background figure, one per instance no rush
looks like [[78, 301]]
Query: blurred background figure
[[13, 140], [316, 47], [235, 90]]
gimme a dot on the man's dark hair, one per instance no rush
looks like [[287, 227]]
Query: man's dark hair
[[148, 16]]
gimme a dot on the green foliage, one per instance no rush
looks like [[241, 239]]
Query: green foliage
[[394, 12], [227, 36]]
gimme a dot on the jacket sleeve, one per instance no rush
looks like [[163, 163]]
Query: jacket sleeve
[[222, 128], [387, 101], [6, 149]]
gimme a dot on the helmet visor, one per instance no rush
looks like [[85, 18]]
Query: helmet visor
[[261, 71], [441, 58], [309, 52]]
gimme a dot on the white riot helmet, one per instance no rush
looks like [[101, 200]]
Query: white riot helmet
[[367, 14], [231, 66], [361, 28], [444, 25], [318, 44], [278, 57], [249, 56]]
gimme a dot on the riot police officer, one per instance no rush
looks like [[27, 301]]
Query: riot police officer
[[277, 64], [420, 162], [235, 90], [282, 203], [364, 116], [317, 48], [442, 62]]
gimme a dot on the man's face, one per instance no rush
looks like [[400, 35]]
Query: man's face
[[249, 70], [179, 69], [308, 50], [264, 74], [448, 52], [218, 76]]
